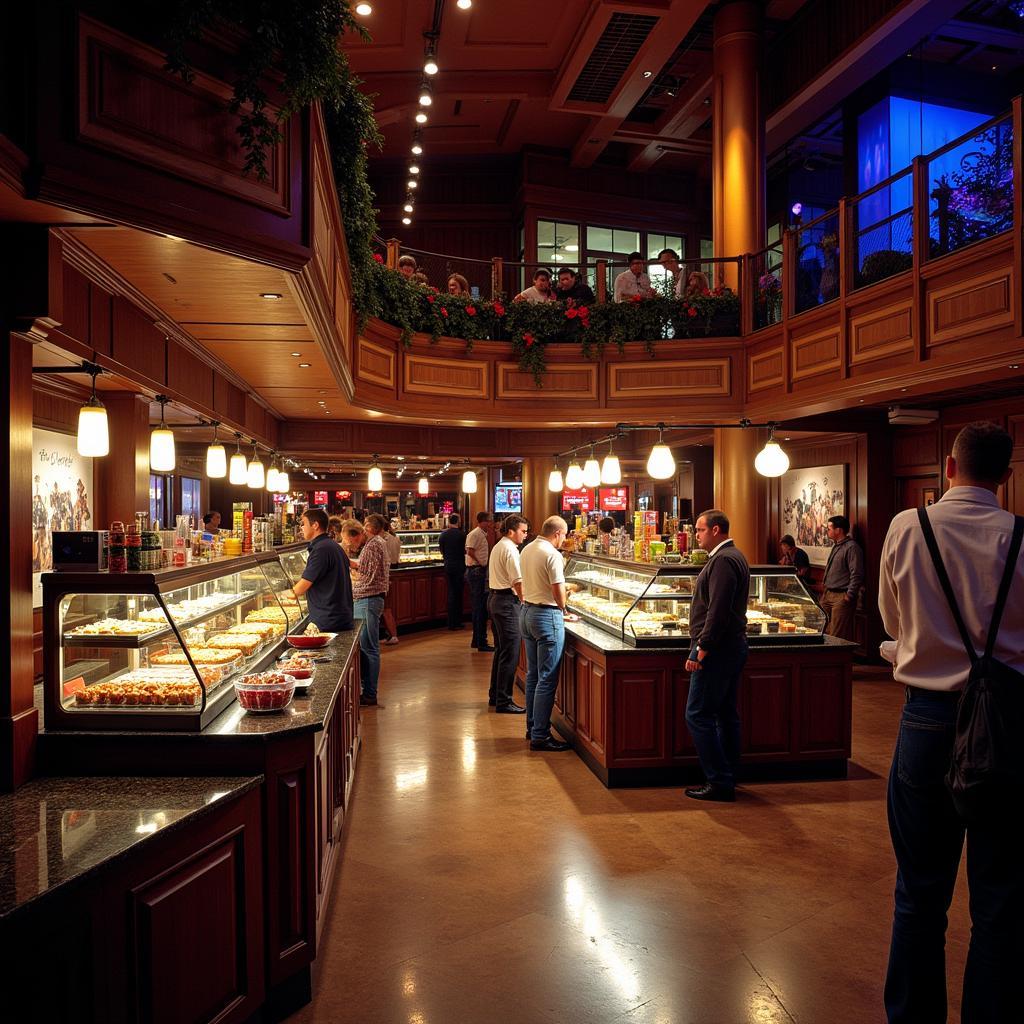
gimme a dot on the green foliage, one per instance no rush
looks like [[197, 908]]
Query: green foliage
[[882, 264]]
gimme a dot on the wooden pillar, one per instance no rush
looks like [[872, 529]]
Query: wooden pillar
[[740, 491], [538, 501], [393, 253], [738, 158], [122, 477], [19, 720]]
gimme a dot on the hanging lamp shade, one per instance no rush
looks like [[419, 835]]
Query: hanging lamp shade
[[216, 458], [591, 471], [255, 475], [423, 486], [611, 471], [771, 460], [574, 475], [375, 478], [660, 463], [469, 482], [555, 481], [161, 444], [93, 430], [283, 483], [237, 469]]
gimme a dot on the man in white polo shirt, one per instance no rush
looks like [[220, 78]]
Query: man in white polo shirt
[[505, 592], [543, 628]]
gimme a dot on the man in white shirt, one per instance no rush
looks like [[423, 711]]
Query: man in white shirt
[[477, 550], [541, 290], [505, 592], [633, 283], [543, 628], [973, 536]]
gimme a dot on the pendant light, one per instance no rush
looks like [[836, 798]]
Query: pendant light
[[591, 471], [283, 483], [216, 457], [660, 464], [423, 487], [93, 432], [161, 443], [574, 474], [771, 460], [255, 476], [611, 471], [375, 478], [237, 471], [555, 481], [272, 474], [469, 482]]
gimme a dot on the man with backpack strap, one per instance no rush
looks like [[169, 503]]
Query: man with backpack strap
[[981, 602]]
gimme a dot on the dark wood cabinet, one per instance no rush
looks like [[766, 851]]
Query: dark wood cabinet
[[419, 596]]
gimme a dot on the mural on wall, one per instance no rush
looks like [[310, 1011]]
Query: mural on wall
[[809, 498], [61, 497]]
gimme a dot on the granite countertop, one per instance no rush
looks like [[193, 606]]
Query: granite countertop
[[307, 713], [611, 644], [56, 831]]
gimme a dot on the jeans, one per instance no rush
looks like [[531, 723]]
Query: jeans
[[928, 838], [478, 600], [368, 609], [543, 630], [711, 712], [503, 607], [456, 584]]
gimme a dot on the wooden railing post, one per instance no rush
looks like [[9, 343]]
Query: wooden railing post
[[497, 276], [1018, 209], [393, 246], [748, 292], [920, 242], [846, 253], [601, 273], [789, 254]]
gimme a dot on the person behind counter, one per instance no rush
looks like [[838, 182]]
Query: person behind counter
[[211, 522], [452, 545], [718, 631], [394, 546], [790, 554], [370, 591], [605, 527], [325, 580]]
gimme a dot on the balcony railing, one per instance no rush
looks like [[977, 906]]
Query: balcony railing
[[817, 261], [881, 231]]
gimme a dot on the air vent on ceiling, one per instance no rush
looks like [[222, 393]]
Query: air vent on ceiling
[[619, 44]]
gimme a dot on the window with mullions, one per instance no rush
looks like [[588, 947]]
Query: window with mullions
[[661, 280], [557, 243], [613, 245]]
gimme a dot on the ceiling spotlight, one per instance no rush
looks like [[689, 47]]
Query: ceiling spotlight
[[272, 296], [463, 5], [421, 117], [430, 64], [407, 220], [414, 168], [416, 149], [425, 98], [305, 366], [364, 10], [413, 183], [408, 207], [646, 74], [296, 354]]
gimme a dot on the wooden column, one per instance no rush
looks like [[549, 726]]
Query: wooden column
[[740, 491], [122, 477], [538, 501], [19, 720], [738, 158]]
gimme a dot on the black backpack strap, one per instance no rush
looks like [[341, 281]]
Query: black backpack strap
[[947, 587], [1004, 585]]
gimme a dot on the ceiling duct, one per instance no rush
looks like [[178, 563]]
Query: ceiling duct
[[619, 44]]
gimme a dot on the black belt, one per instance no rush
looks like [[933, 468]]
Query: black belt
[[835, 590], [952, 696], [370, 597], [531, 604], [502, 590]]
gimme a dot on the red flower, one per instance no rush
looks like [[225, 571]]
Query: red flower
[[636, 298], [378, 258], [572, 313], [705, 291], [471, 311], [444, 312], [499, 309], [528, 339], [691, 311], [430, 299], [584, 311]]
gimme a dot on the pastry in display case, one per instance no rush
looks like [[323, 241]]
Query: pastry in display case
[[159, 650], [419, 548], [648, 605]]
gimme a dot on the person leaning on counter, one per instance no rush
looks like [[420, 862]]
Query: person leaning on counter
[[718, 632], [325, 580]]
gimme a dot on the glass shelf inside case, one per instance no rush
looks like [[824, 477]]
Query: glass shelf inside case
[[419, 547], [293, 561]]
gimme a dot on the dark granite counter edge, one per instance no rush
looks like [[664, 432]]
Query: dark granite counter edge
[[190, 817]]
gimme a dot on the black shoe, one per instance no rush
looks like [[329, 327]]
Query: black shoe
[[490, 702], [485, 648], [549, 744], [367, 702], [510, 709], [720, 794]]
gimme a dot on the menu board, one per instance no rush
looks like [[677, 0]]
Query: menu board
[[508, 498], [319, 497], [613, 499], [578, 501]]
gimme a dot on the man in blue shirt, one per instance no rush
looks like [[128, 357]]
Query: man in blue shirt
[[452, 544], [325, 581]]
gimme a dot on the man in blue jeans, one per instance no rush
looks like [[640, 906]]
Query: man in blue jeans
[[718, 632], [369, 591], [973, 536], [543, 629]]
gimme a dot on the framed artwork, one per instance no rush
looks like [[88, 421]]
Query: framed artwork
[[61, 498], [809, 498], [929, 495]]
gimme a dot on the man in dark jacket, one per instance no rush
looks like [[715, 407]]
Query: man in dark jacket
[[452, 544], [718, 652], [571, 287]]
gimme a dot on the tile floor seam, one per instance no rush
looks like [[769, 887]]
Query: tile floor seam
[[771, 988]]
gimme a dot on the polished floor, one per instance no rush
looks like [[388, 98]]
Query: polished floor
[[481, 882]]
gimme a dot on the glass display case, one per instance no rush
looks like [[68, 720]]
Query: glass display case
[[292, 561], [159, 650], [419, 548], [648, 605]]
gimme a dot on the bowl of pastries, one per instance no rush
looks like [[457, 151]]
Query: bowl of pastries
[[265, 691], [297, 666], [310, 638]]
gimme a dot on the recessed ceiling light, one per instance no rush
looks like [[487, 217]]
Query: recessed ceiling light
[[463, 5], [305, 366], [270, 295], [430, 65], [407, 208], [321, 402], [364, 10], [413, 183], [296, 353], [416, 149], [414, 169], [903, 389], [407, 220], [1014, 366], [421, 117], [646, 74], [425, 98]]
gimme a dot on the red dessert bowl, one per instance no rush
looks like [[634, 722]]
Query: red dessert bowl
[[265, 691], [304, 642]]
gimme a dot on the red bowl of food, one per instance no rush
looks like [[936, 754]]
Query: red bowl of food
[[265, 691], [304, 642], [295, 673]]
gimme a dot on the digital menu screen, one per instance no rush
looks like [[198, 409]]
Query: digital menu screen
[[508, 498], [613, 499], [578, 501]]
